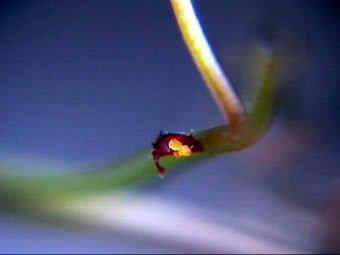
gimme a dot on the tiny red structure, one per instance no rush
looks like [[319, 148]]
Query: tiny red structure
[[174, 144]]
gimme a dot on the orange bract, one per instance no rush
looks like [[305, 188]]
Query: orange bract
[[174, 144]]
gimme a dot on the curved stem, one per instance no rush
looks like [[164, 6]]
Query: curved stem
[[35, 191], [207, 64]]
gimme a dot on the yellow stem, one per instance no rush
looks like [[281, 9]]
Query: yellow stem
[[207, 64]]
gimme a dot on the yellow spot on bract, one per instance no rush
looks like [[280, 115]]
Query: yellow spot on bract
[[175, 145], [179, 149], [184, 151]]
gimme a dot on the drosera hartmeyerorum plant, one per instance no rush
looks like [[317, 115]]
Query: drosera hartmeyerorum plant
[[171, 149], [242, 129]]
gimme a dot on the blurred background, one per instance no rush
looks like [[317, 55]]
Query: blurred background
[[86, 82]]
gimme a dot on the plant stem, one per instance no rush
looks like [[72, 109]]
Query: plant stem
[[36, 191], [207, 64]]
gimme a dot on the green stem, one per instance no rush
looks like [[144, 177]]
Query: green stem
[[37, 190], [139, 168]]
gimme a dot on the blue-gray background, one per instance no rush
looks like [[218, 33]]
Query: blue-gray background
[[85, 82]]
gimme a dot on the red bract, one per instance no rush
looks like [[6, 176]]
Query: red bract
[[174, 144]]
